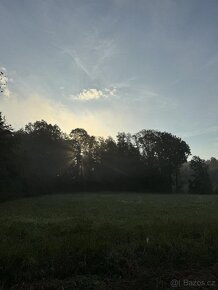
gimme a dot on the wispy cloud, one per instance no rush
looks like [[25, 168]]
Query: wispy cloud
[[91, 53], [80, 64], [104, 51], [94, 94], [75, 58], [201, 131]]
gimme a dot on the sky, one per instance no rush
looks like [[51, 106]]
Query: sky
[[110, 66]]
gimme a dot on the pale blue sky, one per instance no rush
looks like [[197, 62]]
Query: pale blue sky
[[113, 65]]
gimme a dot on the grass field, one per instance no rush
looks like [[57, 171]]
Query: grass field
[[108, 241]]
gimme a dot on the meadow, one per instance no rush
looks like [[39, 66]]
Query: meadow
[[108, 241]]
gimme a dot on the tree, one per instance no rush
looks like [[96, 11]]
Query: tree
[[43, 158], [107, 169], [42, 154], [163, 154], [83, 148], [200, 181], [173, 152], [5, 129], [213, 173], [128, 162], [46, 132], [6, 153]]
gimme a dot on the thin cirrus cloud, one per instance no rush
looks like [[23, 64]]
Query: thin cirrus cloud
[[94, 94]]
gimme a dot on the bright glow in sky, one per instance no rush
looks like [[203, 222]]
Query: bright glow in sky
[[115, 65]]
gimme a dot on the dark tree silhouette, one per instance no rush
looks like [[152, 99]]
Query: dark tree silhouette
[[200, 182], [41, 154], [83, 153], [129, 161], [6, 154], [40, 158], [213, 172], [163, 154]]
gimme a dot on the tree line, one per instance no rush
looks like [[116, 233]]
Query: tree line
[[42, 159]]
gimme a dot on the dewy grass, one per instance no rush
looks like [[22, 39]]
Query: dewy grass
[[114, 237]]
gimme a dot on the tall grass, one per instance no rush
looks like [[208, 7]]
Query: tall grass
[[96, 238]]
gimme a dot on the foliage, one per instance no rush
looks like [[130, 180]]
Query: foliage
[[7, 156], [212, 165], [200, 182], [41, 159], [163, 155], [41, 155], [3, 82]]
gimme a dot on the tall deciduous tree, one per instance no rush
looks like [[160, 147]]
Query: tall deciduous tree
[[83, 154], [163, 154], [200, 182], [213, 172], [41, 154]]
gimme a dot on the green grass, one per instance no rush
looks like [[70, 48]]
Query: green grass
[[107, 241]]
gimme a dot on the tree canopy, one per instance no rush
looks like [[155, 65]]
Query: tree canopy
[[41, 158]]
